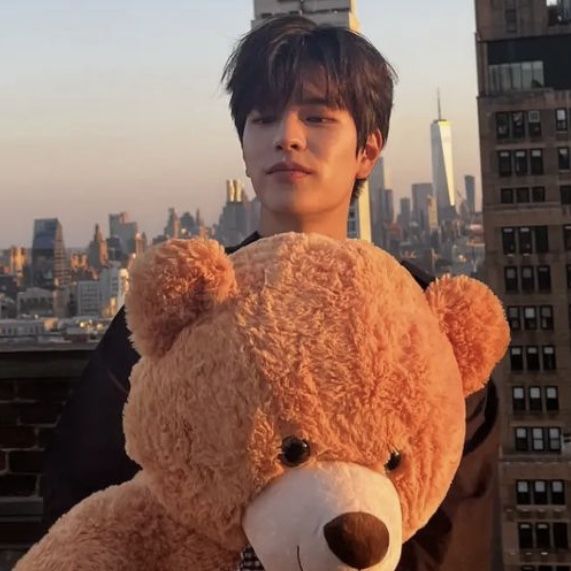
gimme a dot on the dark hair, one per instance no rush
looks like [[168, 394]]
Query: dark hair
[[269, 64]]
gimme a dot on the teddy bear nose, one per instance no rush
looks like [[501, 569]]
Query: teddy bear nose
[[358, 539]]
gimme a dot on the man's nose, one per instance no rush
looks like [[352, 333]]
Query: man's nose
[[289, 134]]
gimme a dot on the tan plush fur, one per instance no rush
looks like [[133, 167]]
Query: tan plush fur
[[332, 341]]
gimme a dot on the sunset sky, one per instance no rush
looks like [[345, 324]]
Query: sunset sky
[[110, 105]]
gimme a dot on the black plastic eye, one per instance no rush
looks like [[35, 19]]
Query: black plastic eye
[[393, 462], [295, 451]]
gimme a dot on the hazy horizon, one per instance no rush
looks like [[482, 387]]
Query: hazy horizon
[[118, 107]]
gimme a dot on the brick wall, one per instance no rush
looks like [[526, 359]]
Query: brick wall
[[34, 385]]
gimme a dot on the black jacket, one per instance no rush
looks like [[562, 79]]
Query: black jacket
[[87, 454]]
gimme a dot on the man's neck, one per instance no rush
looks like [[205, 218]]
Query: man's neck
[[333, 225]]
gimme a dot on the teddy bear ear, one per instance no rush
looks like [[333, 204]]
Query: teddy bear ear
[[473, 319], [172, 285]]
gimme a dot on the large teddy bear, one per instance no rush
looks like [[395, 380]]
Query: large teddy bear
[[302, 396]]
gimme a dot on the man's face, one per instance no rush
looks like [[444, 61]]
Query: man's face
[[303, 161]]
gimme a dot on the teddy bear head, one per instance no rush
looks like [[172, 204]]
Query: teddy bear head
[[304, 394]]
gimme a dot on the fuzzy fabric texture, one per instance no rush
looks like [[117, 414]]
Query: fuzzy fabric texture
[[330, 341]]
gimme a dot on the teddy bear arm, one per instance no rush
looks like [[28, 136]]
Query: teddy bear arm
[[117, 528]]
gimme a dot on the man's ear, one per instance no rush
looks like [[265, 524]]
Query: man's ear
[[369, 154], [171, 286]]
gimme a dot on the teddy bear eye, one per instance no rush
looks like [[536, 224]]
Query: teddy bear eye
[[393, 462], [295, 451]]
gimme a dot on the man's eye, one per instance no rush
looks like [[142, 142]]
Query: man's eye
[[263, 120], [318, 119]]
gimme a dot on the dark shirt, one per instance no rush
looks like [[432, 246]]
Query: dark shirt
[[87, 454]]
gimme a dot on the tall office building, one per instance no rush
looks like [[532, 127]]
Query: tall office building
[[97, 250], [443, 166], [339, 13], [470, 188], [234, 222], [49, 267], [405, 212], [421, 191], [524, 77], [123, 232]]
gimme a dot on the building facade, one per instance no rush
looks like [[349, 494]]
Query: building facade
[[524, 107], [339, 13]]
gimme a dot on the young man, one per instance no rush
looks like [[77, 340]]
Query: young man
[[311, 105]]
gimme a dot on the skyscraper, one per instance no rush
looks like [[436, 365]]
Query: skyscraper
[[49, 267], [524, 77], [470, 186], [405, 211], [420, 193], [124, 231], [339, 13], [442, 166], [97, 250], [233, 224]]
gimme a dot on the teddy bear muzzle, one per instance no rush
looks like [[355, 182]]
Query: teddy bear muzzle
[[326, 516]]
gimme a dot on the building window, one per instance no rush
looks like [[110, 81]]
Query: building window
[[538, 194], [554, 442], [532, 357], [549, 361], [534, 123], [557, 492], [516, 359], [507, 196], [514, 317], [551, 399], [518, 399], [535, 401], [527, 279], [540, 492], [511, 20], [542, 536], [561, 123], [510, 275], [530, 317], [502, 125], [524, 240], [563, 159], [544, 278], [565, 191], [521, 439], [518, 125], [541, 239], [508, 240], [522, 195], [560, 540], [504, 163], [536, 161], [522, 493], [516, 76], [520, 163], [525, 535], [537, 439], [567, 236], [546, 317]]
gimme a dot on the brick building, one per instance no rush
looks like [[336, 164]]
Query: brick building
[[524, 105]]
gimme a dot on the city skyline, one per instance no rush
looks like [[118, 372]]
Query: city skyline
[[103, 107]]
